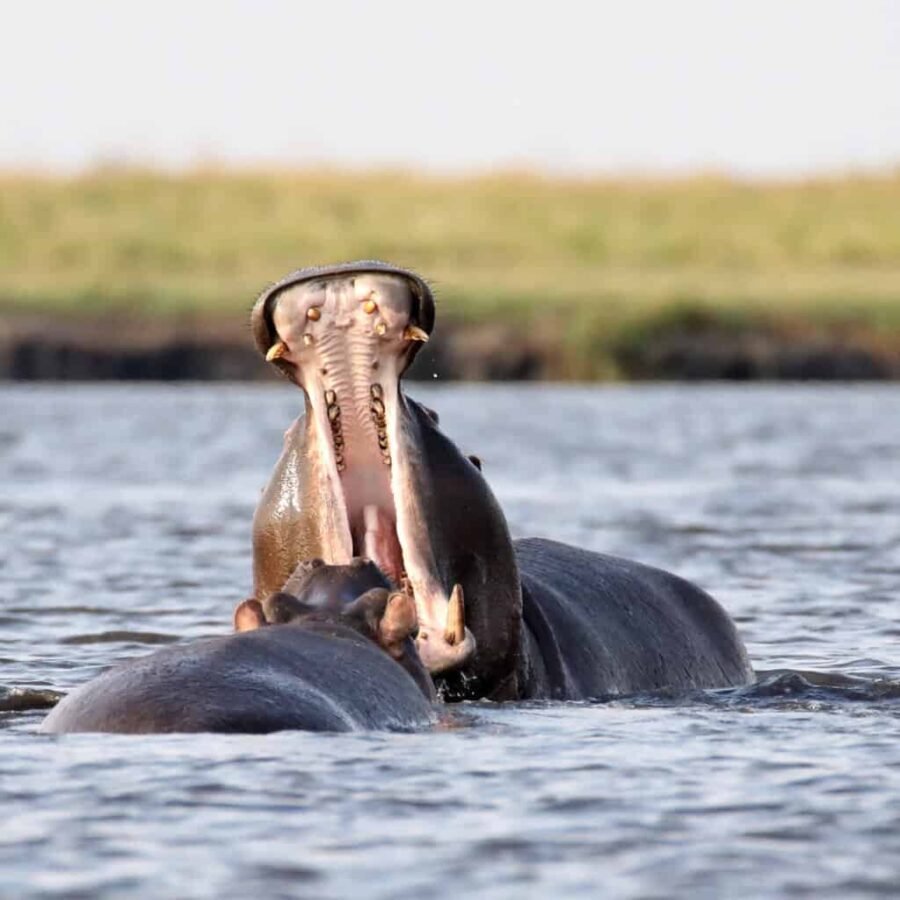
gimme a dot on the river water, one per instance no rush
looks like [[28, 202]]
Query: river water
[[125, 516]]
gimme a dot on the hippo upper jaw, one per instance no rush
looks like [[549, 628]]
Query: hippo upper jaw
[[360, 483]]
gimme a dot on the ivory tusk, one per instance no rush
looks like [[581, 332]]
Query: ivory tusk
[[414, 333], [455, 632], [276, 351]]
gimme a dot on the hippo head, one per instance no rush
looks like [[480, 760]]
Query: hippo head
[[368, 473], [332, 599], [316, 583]]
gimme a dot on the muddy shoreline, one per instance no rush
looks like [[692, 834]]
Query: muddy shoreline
[[194, 349]]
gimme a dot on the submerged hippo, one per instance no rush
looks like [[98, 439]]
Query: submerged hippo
[[360, 593], [292, 665], [366, 471]]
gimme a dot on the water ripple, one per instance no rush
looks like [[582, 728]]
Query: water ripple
[[126, 520]]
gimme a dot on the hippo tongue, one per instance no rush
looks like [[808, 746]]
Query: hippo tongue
[[381, 544]]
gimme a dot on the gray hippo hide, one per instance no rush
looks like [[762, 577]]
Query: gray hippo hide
[[328, 662], [365, 471], [361, 594]]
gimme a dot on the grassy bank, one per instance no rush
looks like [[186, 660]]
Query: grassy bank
[[594, 264]]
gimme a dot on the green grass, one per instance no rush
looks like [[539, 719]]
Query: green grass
[[606, 256]]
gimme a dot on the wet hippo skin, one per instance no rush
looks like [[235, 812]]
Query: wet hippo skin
[[360, 594], [315, 673], [366, 471], [595, 625]]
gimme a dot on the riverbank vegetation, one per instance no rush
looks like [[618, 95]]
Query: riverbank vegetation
[[594, 264]]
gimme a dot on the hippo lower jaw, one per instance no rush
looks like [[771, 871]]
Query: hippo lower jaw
[[439, 657], [449, 648], [346, 340]]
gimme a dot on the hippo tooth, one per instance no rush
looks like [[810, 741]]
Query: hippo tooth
[[276, 351], [414, 333], [455, 631]]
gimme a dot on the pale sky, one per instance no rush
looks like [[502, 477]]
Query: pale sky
[[765, 87]]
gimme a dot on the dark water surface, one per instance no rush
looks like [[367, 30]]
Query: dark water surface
[[125, 517]]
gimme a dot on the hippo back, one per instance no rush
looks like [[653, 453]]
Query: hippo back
[[597, 625], [272, 679]]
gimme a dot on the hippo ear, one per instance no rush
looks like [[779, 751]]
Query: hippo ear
[[280, 608], [248, 616], [398, 622]]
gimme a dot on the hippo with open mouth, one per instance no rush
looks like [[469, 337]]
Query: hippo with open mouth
[[366, 471], [336, 654]]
